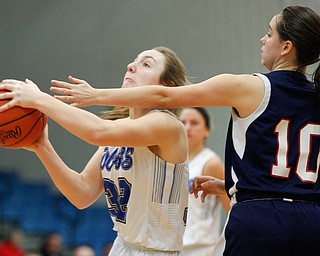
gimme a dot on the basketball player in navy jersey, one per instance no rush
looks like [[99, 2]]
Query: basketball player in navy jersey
[[272, 148], [141, 164]]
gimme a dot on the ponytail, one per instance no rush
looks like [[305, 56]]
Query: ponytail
[[316, 80], [301, 25], [115, 113]]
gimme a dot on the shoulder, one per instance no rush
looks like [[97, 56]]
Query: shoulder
[[166, 118], [214, 167], [249, 91], [170, 136]]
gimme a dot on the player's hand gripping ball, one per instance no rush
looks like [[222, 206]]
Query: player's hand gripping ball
[[20, 127]]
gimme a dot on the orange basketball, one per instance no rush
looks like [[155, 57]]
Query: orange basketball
[[20, 127]]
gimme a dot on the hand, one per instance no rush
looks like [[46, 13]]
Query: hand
[[21, 93], [208, 185], [79, 93]]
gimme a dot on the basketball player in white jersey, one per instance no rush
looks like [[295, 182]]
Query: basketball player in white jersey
[[204, 218], [141, 164]]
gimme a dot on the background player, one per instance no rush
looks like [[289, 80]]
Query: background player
[[204, 218]]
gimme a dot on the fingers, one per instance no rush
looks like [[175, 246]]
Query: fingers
[[4, 94], [9, 84], [76, 80], [203, 197], [65, 88], [6, 88], [195, 188], [195, 193], [12, 81], [63, 91], [6, 106], [62, 98], [27, 81], [61, 84], [68, 99]]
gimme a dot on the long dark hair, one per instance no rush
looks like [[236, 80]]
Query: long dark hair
[[301, 25]]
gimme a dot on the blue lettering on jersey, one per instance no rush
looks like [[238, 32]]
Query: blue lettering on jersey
[[119, 158], [127, 161], [118, 197]]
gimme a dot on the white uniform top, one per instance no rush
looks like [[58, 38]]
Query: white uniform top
[[147, 197], [204, 219]]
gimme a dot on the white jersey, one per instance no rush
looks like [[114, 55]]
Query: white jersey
[[147, 197], [204, 219]]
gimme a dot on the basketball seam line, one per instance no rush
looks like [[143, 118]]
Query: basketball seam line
[[30, 113], [35, 123]]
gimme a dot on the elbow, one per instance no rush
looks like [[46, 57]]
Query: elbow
[[96, 136], [82, 203], [163, 100], [81, 206]]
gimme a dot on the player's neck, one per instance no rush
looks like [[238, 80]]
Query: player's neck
[[195, 150]]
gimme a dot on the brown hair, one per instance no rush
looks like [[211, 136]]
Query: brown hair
[[115, 113], [174, 74], [301, 25]]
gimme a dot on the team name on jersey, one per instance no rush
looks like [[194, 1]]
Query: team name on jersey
[[120, 157]]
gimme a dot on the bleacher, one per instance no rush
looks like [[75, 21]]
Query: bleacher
[[38, 211]]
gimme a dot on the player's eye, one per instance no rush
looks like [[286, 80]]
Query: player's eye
[[145, 64]]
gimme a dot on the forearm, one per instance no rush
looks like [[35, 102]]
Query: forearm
[[225, 201], [81, 123], [144, 96], [69, 182]]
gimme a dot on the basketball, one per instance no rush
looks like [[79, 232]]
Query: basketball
[[20, 127]]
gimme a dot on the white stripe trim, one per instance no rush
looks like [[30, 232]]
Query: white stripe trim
[[240, 125]]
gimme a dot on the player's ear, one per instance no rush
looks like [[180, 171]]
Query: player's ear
[[287, 47]]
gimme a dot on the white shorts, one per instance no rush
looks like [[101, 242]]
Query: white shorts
[[121, 248]]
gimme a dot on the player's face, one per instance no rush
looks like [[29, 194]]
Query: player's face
[[195, 126], [271, 46], [146, 69]]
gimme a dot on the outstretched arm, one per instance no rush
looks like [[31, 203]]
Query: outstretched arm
[[81, 94], [243, 92]]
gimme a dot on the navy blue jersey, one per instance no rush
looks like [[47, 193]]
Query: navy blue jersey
[[274, 152]]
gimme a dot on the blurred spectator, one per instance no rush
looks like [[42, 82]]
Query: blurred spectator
[[52, 245], [83, 250], [12, 246], [32, 253]]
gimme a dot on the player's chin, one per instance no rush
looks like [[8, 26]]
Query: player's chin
[[127, 85]]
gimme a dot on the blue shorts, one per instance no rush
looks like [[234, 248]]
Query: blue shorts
[[273, 227]]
